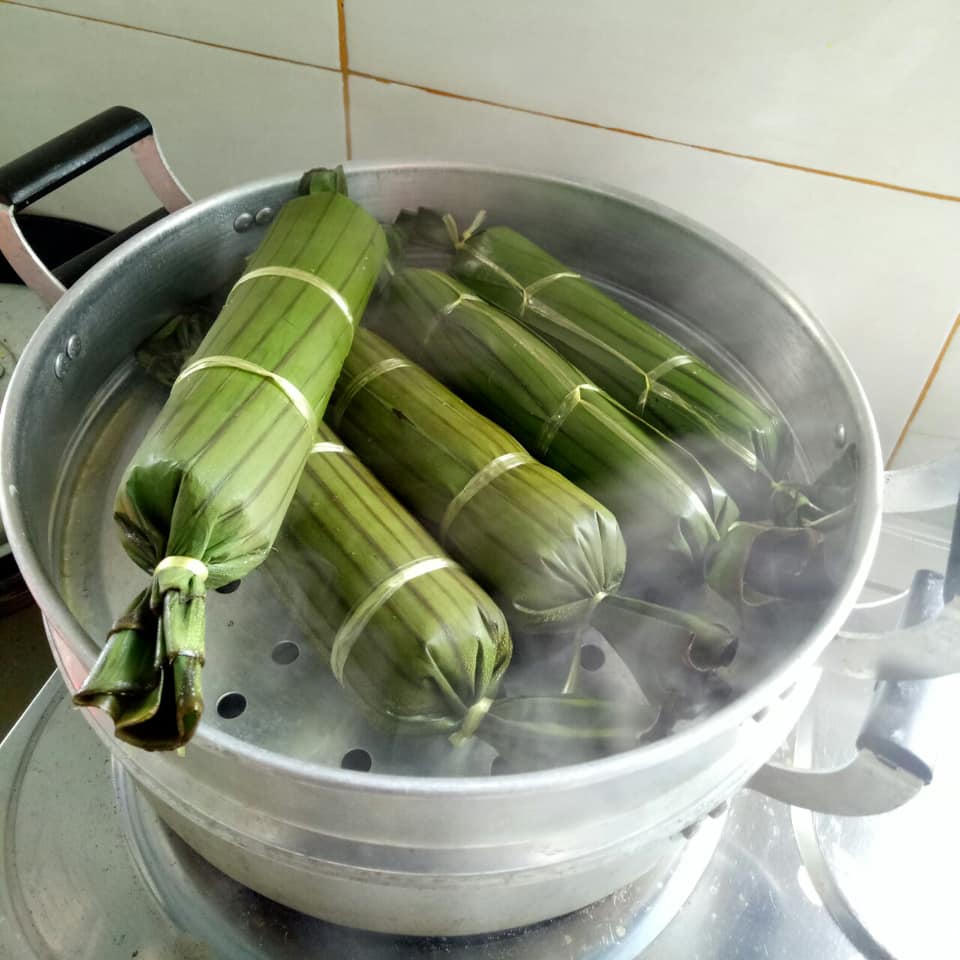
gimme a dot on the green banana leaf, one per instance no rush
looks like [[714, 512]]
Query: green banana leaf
[[431, 656], [774, 562], [549, 553], [204, 496], [535, 730], [670, 509], [343, 529], [743, 444], [430, 647], [825, 503], [151, 696]]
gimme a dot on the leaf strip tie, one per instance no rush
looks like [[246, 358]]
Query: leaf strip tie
[[197, 567], [292, 273], [471, 721], [486, 475], [360, 381], [567, 405], [651, 376], [671, 363], [453, 230], [461, 298], [360, 615], [538, 285], [328, 446], [289, 390], [564, 612]]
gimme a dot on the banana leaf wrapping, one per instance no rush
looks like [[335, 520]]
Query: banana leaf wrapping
[[743, 444], [529, 732], [204, 496], [670, 509], [549, 553], [417, 643], [414, 639]]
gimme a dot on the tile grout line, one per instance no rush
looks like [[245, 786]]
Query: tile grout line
[[172, 36], [346, 72], [925, 389], [345, 77], [851, 178]]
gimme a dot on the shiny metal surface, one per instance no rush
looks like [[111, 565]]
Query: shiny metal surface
[[865, 785], [196, 897], [872, 614], [929, 649], [875, 642], [374, 848], [887, 880], [263, 216], [880, 877], [909, 720], [925, 486], [109, 881]]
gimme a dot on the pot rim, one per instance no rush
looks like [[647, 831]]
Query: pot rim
[[865, 526]]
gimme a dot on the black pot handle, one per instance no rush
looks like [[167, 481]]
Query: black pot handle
[[59, 160], [62, 159]]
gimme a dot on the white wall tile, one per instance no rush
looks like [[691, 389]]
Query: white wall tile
[[221, 117], [295, 29], [876, 266], [858, 87]]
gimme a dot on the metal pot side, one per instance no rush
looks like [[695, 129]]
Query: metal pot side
[[440, 855]]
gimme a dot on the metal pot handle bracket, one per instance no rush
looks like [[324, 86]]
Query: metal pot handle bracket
[[914, 708], [60, 160]]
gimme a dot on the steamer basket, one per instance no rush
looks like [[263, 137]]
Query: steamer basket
[[261, 792]]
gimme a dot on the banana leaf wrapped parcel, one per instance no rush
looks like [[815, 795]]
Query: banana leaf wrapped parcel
[[670, 509], [549, 553], [745, 445], [417, 642], [318, 579], [204, 495], [419, 645], [529, 730]]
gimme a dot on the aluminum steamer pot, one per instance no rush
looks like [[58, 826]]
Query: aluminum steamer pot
[[262, 796]]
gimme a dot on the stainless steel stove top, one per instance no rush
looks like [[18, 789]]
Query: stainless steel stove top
[[89, 871]]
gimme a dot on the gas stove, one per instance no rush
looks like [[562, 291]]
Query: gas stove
[[90, 871]]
